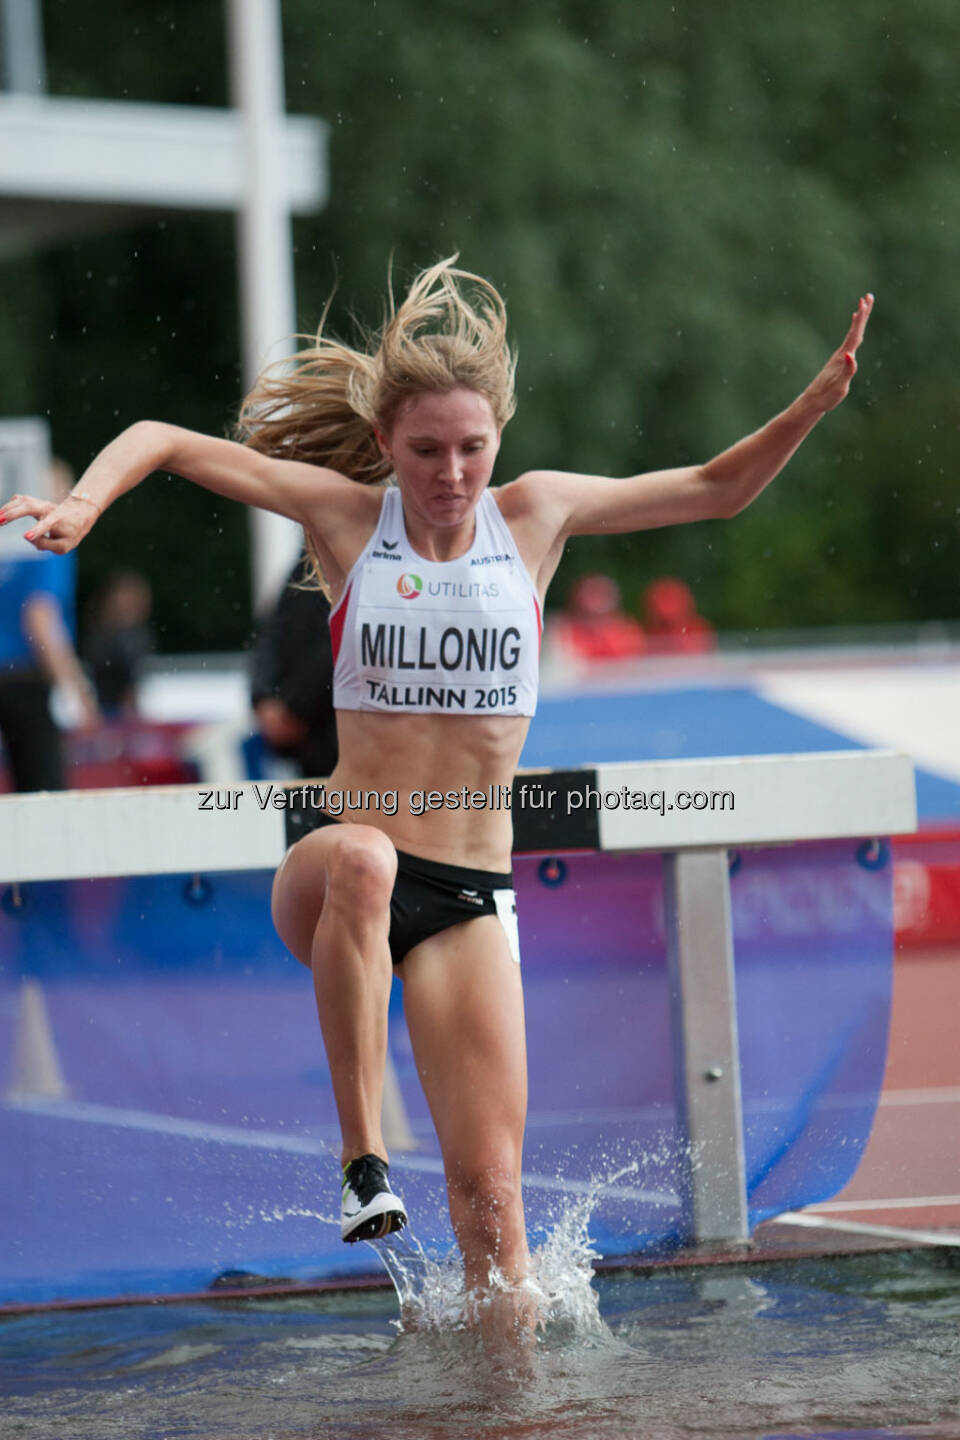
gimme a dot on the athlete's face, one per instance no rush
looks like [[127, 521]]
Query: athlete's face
[[442, 448]]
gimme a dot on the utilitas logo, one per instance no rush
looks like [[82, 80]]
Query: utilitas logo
[[409, 586]]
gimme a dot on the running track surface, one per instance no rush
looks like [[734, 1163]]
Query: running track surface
[[909, 1176]]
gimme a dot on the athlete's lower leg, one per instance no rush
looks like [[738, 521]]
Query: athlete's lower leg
[[352, 974], [486, 1208]]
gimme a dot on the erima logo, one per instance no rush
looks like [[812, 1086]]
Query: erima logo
[[409, 586], [389, 544]]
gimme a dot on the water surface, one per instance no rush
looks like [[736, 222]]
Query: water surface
[[868, 1344]]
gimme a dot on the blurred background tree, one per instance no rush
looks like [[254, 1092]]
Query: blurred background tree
[[681, 204]]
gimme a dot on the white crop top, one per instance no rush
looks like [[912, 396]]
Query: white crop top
[[455, 637]]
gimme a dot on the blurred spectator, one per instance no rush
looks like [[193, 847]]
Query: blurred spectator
[[671, 622], [37, 610], [117, 638], [292, 677], [593, 624]]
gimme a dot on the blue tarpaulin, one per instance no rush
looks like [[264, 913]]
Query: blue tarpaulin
[[188, 1124]]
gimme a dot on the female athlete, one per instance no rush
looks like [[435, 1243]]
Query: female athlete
[[384, 456]]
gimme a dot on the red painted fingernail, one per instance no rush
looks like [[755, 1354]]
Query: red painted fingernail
[[28, 535]]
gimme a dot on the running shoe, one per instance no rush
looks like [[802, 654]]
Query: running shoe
[[368, 1208]]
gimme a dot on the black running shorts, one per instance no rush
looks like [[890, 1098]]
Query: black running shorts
[[429, 897]]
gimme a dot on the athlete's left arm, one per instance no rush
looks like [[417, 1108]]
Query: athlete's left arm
[[593, 505]]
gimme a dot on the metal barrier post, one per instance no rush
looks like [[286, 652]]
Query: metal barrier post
[[704, 1008]]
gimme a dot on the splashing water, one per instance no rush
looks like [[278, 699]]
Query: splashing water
[[433, 1299]]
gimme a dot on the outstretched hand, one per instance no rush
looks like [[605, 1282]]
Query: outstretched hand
[[61, 526], [833, 382]]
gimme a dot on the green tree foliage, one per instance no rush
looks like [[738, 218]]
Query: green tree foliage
[[681, 203]]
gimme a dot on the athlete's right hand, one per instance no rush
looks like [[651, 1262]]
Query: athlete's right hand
[[60, 527]]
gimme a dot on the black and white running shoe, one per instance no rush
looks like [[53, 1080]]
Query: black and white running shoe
[[368, 1208]]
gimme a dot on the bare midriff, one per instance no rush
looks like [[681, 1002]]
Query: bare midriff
[[448, 778]]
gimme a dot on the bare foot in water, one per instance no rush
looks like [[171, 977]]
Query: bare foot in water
[[506, 1316]]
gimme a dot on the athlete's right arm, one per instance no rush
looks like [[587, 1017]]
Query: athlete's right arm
[[287, 487]]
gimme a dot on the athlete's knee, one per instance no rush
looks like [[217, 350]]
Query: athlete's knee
[[355, 870], [361, 870]]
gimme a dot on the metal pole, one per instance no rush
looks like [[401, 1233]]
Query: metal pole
[[703, 999], [265, 245], [21, 47]]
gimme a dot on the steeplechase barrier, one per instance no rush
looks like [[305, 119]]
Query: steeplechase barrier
[[707, 948]]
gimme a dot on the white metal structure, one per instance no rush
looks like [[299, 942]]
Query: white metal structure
[[68, 165]]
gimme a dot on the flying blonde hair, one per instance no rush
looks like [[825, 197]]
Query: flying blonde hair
[[450, 330], [323, 405]]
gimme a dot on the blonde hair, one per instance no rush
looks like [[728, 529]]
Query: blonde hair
[[323, 405]]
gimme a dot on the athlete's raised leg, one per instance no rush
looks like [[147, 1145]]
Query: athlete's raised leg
[[331, 908], [463, 1001]]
